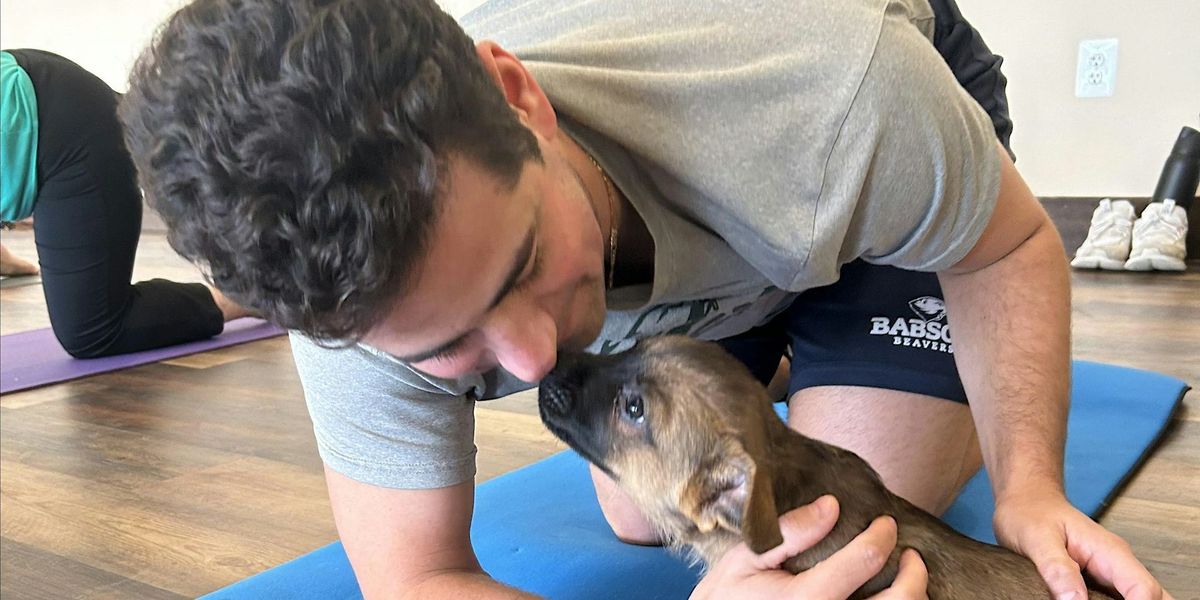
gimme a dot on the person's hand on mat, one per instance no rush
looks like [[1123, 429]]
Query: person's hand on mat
[[745, 575], [1063, 541]]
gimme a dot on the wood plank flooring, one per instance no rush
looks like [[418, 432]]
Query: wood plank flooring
[[174, 479]]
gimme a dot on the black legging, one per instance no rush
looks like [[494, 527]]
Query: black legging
[[87, 220]]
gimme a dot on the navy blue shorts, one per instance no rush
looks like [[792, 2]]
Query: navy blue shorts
[[879, 327]]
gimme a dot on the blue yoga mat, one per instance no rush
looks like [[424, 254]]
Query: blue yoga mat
[[540, 529]]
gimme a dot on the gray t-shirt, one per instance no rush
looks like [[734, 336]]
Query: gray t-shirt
[[765, 144]]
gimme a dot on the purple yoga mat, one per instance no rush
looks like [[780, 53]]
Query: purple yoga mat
[[34, 358]]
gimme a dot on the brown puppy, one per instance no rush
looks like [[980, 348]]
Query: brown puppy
[[692, 437]]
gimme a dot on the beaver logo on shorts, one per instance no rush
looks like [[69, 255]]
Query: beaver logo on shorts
[[928, 308], [930, 331]]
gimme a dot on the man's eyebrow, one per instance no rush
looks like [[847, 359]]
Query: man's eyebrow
[[514, 275]]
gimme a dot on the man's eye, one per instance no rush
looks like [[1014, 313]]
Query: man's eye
[[446, 355], [443, 356], [634, 410], [534, 271]]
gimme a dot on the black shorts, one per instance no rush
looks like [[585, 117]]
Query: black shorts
[[879, 327]]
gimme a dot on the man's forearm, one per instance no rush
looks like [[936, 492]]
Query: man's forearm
[[1011, 327]]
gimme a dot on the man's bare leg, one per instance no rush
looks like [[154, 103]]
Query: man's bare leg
[[626, 520], [924, 448]]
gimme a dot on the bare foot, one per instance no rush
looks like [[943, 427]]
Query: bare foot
[[230, 310], [11, 264]]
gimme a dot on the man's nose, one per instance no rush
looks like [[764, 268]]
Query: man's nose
[[524, 344]]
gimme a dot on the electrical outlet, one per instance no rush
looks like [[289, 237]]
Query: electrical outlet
[[1096, 75]]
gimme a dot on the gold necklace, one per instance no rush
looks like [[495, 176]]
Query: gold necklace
[[612, 222]]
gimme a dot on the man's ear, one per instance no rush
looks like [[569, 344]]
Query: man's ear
[[729, 490], [520, 89]]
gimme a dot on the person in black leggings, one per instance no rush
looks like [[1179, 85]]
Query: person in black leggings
[[87, 219]]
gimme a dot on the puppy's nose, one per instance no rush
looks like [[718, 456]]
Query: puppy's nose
[[553, 399], [560, 384], [564, 381]]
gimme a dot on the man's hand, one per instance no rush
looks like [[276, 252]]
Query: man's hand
[[745, 575], [1061, 541]]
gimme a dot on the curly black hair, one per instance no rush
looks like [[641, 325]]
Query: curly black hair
[[294, 147]]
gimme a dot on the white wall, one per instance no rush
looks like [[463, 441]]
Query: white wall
[[103, 36], [459, 8], [1066, 146]]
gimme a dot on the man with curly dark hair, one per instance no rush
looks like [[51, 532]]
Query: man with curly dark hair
[[435, 218]]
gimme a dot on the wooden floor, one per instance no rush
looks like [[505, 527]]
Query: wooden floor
[[174, 479]]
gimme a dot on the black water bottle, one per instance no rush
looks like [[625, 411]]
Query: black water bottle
[[1181, 174]]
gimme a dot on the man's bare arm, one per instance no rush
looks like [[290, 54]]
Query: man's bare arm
[[411, 543], [1009, 303]]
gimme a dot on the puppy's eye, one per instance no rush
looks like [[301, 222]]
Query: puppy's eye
[[634, 410]]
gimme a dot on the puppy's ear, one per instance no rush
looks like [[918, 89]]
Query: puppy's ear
[[730, 491]]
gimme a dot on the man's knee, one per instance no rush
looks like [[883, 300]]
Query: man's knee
[[626, 521], [924, 448]]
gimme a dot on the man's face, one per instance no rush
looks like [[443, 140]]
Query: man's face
[[510, 276]]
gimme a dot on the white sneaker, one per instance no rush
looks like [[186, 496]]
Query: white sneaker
[[1107, 243], [1159, 238]]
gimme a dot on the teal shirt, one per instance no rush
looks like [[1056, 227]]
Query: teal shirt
[[19, 132]]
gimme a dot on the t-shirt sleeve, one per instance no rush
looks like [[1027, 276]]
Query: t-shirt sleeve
[[381, 423], [914, 174]]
